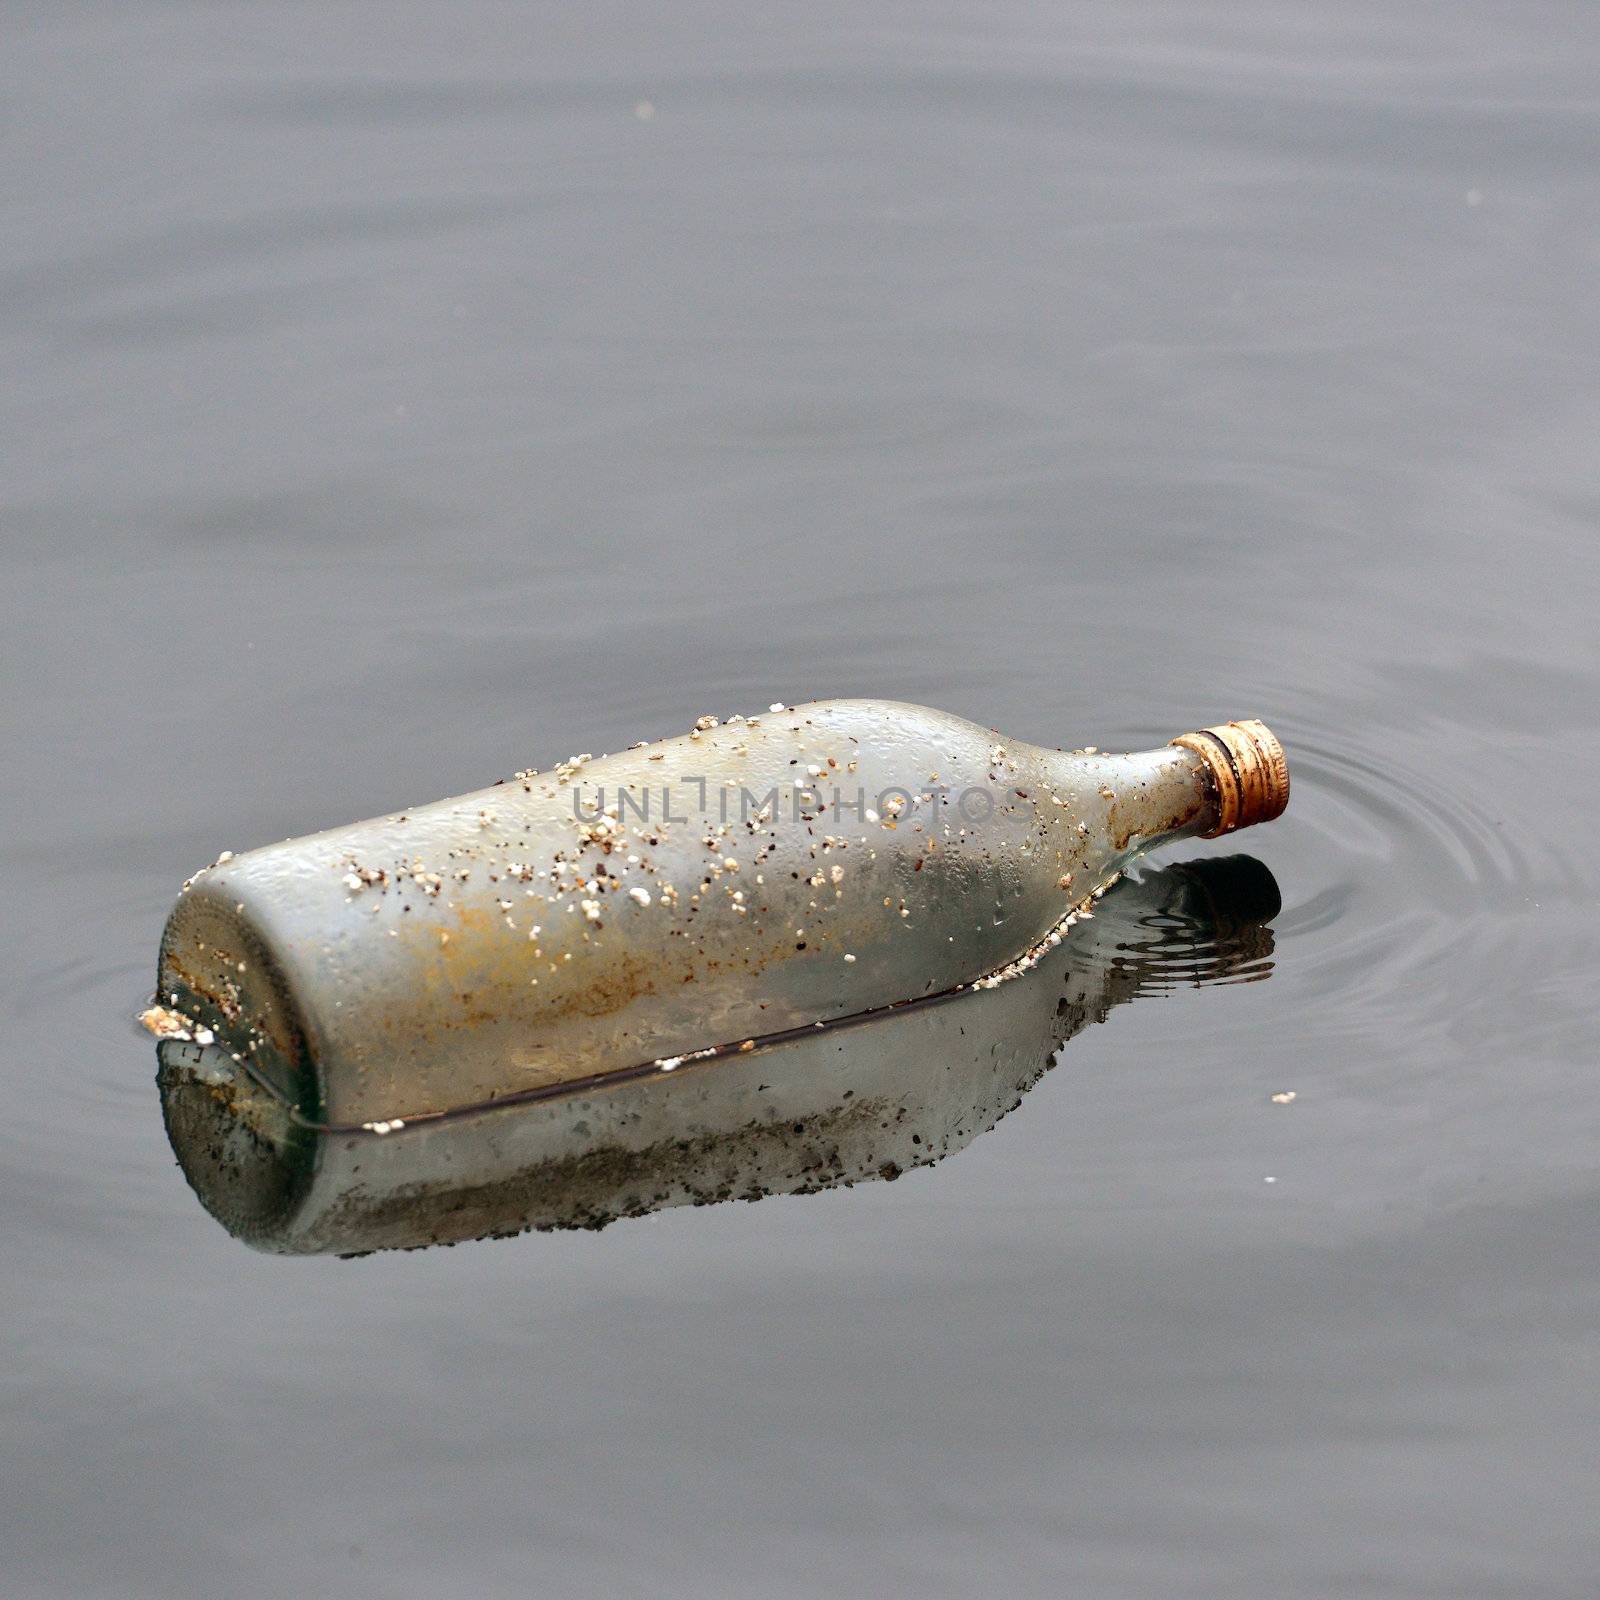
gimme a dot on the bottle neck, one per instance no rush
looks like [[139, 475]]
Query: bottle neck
[[1193, 786], [1173, 786], [1140, 799]]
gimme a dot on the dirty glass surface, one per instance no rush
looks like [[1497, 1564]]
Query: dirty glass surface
[[400, 396]]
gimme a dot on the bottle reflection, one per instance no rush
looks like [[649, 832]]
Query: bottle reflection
[[837, 1106]]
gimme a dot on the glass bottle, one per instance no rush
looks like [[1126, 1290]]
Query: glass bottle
[[749, 878]]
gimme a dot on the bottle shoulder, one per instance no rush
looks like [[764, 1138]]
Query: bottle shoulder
[[891, 723]]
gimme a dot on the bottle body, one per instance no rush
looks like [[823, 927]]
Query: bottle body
[[744, 880]]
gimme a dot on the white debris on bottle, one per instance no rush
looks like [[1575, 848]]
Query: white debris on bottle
[[165, 1023], [221, 861], [672, 1063], [1031, 958]]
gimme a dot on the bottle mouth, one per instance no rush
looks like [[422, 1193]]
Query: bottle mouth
[[1248, 770]]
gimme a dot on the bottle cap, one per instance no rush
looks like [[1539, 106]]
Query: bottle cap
[[1249, 769]]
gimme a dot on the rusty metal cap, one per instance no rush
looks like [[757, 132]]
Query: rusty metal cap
[[1249, 769]]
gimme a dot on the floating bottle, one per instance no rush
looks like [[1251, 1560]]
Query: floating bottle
[[709, 892], [818, 1109]]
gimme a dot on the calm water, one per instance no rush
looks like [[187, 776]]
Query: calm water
[[398, 396]]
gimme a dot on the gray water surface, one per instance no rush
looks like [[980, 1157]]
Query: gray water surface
[[398, 396]]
